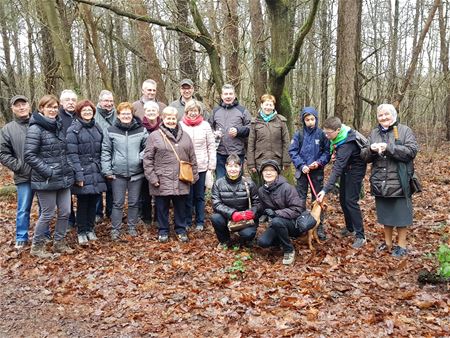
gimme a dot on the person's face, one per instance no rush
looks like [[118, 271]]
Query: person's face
[[21, 109], [193, 113], [87, 113], [107, 102], [151, 113], [267, 107], [228, 96], [269, 174], [331, 134], [50, 110], [68, 102], [233, 169], [170, 120], [149, 91], [310, 121], [385, 119], [186, 92], [125, 116]]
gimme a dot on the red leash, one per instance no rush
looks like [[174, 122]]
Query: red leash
[[311, 185]]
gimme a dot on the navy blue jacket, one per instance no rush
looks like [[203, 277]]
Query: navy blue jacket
[[84, 147], [309, 145]]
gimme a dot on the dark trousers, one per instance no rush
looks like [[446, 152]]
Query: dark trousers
[[223, 234], [350, 188], [145, 206], [220, 165], [303, 184], [162, 204], [86, 207], [109, 201], [279, 233], [73, 216], [196, 200]]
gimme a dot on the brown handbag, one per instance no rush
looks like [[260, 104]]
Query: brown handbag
[[185, 168], [237, 226]]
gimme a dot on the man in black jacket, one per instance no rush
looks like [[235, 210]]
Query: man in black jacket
[[12, 140], [351, 168]]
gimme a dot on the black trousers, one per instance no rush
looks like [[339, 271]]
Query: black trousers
[[223, 234], [278, 233], [349, 190], [86, 207]]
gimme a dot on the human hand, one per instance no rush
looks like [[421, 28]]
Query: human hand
[[232, 132], [238, 216], [79, 183], [156, 184], [382, 147], [270, 213], [305, 169], [313, 165], [320, 196]]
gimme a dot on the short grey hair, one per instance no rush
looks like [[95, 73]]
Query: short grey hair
[[151, 104], [228, 86], [191, 105], [149, 81], [386, 107], [67, 92], [169, 111], [104, 93]]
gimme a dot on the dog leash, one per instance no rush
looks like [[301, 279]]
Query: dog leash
[[312, 188]]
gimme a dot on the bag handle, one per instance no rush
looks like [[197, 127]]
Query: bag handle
[[248, 193], [170, 144]]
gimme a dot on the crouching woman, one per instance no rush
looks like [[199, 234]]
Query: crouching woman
[[280, 202], [231, 196]]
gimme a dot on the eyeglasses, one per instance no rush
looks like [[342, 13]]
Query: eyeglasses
[[51, 108], [328, 133], [87, 110]]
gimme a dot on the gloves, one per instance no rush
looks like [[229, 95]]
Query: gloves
[[238, 216], [249, 214], [270, 213]]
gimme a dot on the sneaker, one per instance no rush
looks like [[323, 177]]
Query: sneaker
[[358, 243], [346, 233], [48, 239], [91, 236], [62, 247], [132, 232], [20, 245], [222, 246], [82, 239], [163, 238], [199, 227], [289, 258], [183, 238], [399, 252], [115, 236], [321, 233], [382, 247]]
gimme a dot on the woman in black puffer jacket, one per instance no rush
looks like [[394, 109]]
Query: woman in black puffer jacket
[[51, 176], [84, 146], [231, 202]]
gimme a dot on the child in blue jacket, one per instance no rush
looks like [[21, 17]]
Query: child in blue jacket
[[310, 152]]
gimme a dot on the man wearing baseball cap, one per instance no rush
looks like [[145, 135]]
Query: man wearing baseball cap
[[12, 140], [187, 93]]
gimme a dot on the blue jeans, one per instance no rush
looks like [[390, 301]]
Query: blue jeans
[[162, 204], [220, 166], [196, 200], [24, 201]]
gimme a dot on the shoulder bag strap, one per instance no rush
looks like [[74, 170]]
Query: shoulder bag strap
[[170, 144], [248, 193]]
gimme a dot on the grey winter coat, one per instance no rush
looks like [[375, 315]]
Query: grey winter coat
[[384, 179], [104, 118], [84, 145], [46, 152], [161, 165], [121, 148], [12, 141]]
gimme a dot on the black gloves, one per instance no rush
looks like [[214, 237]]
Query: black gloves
[[270, 213]]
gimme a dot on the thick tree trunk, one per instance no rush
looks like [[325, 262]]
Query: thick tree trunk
[[186, 56], [258, 47], [231, 48], [347, 61], [325, 43], [10, 79], [393, 52], [444, 58], [121, 90], [31, 63]]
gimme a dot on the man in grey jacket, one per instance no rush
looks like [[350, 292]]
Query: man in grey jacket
[[231, 124], [12, 140], [186, 95]]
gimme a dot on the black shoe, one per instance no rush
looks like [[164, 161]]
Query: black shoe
[[321, 233]]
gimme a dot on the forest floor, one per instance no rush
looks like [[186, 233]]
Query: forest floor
[[141, 288]]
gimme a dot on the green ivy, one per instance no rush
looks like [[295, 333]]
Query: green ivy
[[443, 256]]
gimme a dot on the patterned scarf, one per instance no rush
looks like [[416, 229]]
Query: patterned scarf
[[265, 117]]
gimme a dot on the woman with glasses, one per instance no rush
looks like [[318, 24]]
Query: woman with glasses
[[51, 176]]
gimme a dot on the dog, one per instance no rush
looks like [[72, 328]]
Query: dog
[[316, 211]]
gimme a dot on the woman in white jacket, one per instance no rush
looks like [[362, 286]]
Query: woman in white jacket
[[204, 144]]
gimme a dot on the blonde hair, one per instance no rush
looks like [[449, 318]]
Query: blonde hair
[[124, 105], [169, 111], [268, 97], [191, 105]]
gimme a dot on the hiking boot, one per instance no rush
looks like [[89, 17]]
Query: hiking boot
[[321, 232], [91, 236], [82, 239], [163, 238], [183, 238], [62, 247], [20, 245], [115, 235], [38, 250], [399, 252], [358, 243], [289, 258], [132, 232], [346, 233], [199, 227]]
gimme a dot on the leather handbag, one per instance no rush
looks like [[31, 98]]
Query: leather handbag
[[185, 168], [237, 226], [414, 184]]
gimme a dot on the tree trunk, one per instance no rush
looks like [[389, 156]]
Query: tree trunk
[[185, 46], [258, 47], [444, 58], [231, 40], [121, 91], [31, 63], [325, 43], [393, 52], [347, 62], [10, 79]]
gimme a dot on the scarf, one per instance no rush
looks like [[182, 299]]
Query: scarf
[[340, 138], [265, 117], [151, 127], [192, 123]]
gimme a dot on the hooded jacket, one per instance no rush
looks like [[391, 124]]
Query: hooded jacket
[[12, 141], [309, 145], [46, 153]]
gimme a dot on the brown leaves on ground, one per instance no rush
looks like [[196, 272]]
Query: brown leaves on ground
[[140, 287]]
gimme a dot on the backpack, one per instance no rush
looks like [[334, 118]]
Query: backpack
[[361, 140]]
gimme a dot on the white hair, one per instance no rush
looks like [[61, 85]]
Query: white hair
[[67, 92], [104, 93], [151, 104], [389, 108]]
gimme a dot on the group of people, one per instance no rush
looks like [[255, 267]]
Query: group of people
[[132, 153]]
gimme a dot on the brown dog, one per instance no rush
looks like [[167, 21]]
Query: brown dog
[[316, 211]]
